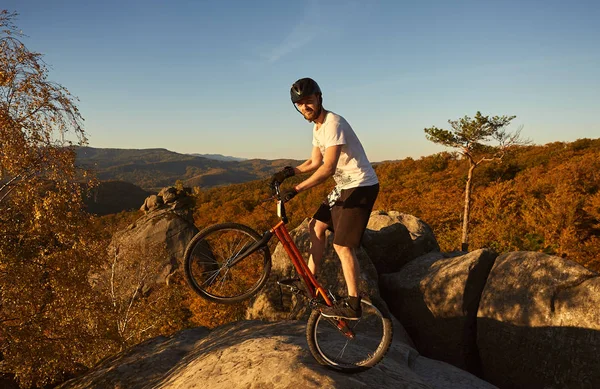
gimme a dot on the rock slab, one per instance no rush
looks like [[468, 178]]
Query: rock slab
[[539, 323], [436, 299], [254, 354]]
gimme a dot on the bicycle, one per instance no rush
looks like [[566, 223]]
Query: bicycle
[[230, 262]]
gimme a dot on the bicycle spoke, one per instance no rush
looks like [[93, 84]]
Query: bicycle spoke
[[212, 277], [341, 353], [224, 278], [238, 251]]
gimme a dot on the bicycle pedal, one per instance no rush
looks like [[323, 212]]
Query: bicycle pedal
[[291, 283], [293, 289]]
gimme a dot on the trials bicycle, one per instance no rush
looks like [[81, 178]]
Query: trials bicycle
[[230, 262]]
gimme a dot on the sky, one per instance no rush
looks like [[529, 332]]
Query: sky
[[214, 76]]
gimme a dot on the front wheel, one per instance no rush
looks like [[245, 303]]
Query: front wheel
[[208, 263], [331, 346]]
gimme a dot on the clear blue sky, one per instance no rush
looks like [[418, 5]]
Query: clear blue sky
[[214, 76]]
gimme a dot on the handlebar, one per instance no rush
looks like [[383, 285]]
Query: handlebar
[[276, 190]]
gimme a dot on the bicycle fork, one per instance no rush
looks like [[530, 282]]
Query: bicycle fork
[[340, 324]]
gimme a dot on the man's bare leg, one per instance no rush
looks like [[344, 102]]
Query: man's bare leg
[[317, 244], [350, 267]]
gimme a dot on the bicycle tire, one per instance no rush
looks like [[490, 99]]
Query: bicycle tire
[[325, 339], [205, 263]]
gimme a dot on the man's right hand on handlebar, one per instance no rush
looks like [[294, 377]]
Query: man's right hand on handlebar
[[288, 195], [281, 175]]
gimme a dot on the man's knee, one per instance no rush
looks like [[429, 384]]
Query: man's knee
[[343, 251], [317, 228]]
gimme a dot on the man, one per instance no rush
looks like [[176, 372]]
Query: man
[[336, 152]]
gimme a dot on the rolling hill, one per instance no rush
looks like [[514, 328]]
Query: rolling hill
[[153, 169]]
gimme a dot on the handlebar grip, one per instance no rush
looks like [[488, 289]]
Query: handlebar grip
[[275, 189]]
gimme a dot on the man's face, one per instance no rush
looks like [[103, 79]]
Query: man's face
[[309, 107]]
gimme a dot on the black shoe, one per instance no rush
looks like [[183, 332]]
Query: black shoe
[[343, 310]]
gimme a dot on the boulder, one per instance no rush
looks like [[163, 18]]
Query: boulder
[[254, 354], [177, 200], [169, 226], [422, 235], [277, 303], [388, 243], [436, 299], [392, 239], [168, 195], [538, 324], [152, 202]]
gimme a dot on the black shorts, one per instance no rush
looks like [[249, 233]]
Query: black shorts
[[349, 216]]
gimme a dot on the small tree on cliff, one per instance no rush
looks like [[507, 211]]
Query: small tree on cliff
[[479, 139]]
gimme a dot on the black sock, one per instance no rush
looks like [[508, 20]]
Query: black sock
[[354, 302]]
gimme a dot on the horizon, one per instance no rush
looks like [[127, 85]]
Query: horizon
[[214, 78], [272, 159]]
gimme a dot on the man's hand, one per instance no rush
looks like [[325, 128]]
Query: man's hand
[[280, 176], [288, 195]]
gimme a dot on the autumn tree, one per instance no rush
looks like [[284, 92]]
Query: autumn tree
[[479, 139], [138, 306], [48, 313]]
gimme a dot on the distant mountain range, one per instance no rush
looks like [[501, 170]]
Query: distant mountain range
[[153, 169], [220, 157]]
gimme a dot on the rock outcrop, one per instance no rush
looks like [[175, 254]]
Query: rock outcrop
[[393, 239], [167, 223], [538, 324], [436, 298], [253, 354], [521, 320]]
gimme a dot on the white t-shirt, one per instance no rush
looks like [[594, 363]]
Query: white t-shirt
[[353, 168]]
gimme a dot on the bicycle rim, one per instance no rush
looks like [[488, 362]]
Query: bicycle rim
[[208, 258], [332, 348]]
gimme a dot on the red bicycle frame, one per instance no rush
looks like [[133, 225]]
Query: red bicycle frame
[[302, 269]]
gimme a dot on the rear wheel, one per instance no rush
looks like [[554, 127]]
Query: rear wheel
[[208, 269], [331, 345]]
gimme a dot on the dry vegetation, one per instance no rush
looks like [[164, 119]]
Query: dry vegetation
[[55, 322]]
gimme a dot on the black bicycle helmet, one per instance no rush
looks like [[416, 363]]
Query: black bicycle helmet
[[302, 88]]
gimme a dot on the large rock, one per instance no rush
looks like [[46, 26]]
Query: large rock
[[277, 303], [177, 200], [392, 239], [436, 299], [422, 235], [388, 243], [539, 323], [166, 224], [254, 354]]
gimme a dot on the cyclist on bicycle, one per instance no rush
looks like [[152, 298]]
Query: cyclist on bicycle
[[336, 152]]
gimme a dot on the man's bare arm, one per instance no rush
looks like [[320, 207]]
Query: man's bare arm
[[326, 170], [311, 164]]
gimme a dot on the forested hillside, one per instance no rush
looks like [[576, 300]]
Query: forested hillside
[[152, 169], [539, 198]]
